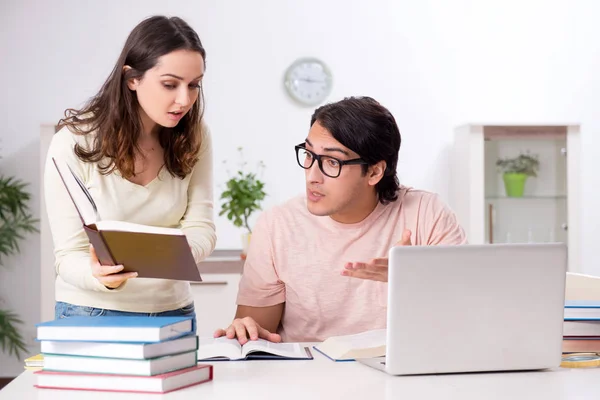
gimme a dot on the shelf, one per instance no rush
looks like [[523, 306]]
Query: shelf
[[222, 262], [559, 197], [547, 212]]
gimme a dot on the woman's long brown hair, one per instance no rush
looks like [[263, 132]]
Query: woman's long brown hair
[[113, 114]]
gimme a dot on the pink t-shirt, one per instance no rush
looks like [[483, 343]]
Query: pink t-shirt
[[296, 257]]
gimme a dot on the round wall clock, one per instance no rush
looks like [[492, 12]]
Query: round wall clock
[[308, 81]]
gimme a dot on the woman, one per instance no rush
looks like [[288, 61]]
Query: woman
[[144, 153]]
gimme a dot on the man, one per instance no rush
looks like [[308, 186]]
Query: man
[[305, 276]]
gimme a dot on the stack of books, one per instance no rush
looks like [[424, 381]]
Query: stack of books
[[581, 329], [146, 354]]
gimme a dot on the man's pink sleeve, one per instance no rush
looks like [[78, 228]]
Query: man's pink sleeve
[[444, 226], [260, 285]]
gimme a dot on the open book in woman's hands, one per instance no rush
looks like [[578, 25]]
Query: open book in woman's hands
[[230, 349], [151, 251]]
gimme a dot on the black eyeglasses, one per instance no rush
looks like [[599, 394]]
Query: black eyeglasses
[[330, 166]]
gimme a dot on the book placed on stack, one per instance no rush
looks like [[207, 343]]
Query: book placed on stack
[[147, 354], [581, 329], [34, 363]]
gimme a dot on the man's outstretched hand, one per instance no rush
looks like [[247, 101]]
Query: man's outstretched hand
[[377, 268]]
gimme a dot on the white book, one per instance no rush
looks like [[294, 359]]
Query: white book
[[162, 383], [119, 366], [137, 329], [350, 347], [230, 349], [121, 349], [582, 287], [581, 328]]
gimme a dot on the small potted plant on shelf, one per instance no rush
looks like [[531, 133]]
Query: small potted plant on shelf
[[242, 198], [516, 171]]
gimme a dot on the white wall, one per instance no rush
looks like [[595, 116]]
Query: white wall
[[434, 64]]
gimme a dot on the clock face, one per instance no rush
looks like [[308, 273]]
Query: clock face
[[308, 81]]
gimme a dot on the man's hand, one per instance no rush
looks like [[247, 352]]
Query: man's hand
[[242, 328], [108, 275], [377, 268]]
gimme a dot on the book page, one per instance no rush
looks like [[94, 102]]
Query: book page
[[372, 338], [122, 226], [89, 213], [361, 345], [290, 350], [582, 287], [219, 348], [78, 192]]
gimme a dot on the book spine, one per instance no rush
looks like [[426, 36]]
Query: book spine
[[102, 251]]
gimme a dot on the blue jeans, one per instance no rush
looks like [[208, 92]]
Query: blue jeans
[[65, 310]]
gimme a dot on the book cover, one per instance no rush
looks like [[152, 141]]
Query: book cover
[[333, 358], [581, 344], [119, 366], [582, 310], [163, 383], [138, 329], [581, 327], [121, 349], [34, 363], [582, 304]]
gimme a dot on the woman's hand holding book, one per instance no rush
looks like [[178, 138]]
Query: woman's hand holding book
[[109, 275]]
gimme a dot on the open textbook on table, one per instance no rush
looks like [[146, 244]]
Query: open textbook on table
[[230, 349]]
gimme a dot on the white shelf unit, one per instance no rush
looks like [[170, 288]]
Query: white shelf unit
[[549, 210]]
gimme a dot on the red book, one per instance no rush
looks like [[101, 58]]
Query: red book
[[582, 344], [164, 383]]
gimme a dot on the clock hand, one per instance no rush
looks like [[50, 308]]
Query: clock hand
[[309, 80]]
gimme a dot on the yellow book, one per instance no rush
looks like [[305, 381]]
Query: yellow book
[[34, 363]]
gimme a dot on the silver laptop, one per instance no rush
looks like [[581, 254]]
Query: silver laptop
[[473, 308]]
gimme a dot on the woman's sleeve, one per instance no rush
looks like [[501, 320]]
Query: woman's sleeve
[[197, 222]]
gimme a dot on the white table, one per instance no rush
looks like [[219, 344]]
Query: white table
[[324, 379]]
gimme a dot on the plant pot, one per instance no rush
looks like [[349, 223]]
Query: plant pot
[[514, 183], [245, 244]]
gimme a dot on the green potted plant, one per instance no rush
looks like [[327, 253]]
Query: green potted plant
[[15, 222], [242, 198], [515, 172]]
